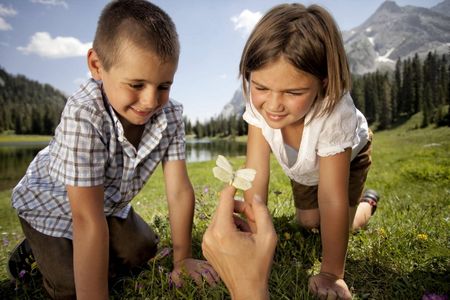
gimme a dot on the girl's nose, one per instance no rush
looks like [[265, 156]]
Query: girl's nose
[[275, 102]]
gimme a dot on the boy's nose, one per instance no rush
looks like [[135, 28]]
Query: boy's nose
[[149, 98]]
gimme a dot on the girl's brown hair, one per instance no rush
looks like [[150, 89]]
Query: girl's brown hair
[[309, 39], [137, 21]]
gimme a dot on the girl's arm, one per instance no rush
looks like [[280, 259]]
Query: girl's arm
[[258, 158], [333, 206], [90, 242]]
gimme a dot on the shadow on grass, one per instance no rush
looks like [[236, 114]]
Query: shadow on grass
[[297, 256], [372, 280]]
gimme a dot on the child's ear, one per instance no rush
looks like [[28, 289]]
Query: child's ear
[[94, 64]]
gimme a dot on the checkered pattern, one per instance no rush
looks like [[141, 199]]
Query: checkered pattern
[[89, 149]]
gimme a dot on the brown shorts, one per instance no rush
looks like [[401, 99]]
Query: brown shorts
[[131, 244], [305, 197]]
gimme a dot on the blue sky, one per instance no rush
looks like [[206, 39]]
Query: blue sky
[[47, 40]]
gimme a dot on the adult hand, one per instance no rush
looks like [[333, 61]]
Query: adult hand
[[243, 259], [328, 286], [194, 268]]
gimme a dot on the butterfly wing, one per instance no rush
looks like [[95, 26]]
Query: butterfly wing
[[222, 174], [223, 163], [223, 171], [243, 179]]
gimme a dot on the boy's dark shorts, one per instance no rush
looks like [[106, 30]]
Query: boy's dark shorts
[[305, 197]]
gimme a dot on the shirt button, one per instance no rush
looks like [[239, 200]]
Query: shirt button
[[120, 138]]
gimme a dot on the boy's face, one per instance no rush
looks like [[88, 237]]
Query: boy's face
[[137, 85]]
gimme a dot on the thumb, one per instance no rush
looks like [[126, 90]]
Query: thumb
[[224, 212], [262, 217]]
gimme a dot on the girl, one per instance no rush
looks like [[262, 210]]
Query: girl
[[297, 80]]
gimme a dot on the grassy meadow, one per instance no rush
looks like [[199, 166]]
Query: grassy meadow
[[403, 254]]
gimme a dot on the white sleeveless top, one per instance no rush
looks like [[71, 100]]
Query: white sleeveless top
[[327, 135]]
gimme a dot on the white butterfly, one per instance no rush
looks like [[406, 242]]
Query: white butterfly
[[241, 179]]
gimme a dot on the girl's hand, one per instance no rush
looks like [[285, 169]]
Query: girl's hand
[[196, 269], [324, 286]]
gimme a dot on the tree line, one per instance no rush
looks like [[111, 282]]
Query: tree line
[[385, 98], [416, 85], [27, 106]]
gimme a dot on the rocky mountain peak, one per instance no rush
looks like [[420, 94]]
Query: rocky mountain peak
[[389, 6]]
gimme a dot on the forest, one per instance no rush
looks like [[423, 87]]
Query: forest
[[385, 98]]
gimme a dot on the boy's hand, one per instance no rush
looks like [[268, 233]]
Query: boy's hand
[[196, 269], [325, 287]]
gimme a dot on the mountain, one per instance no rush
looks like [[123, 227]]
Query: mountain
[[394, 32], [390, 33], [236, 106], [443, 8]]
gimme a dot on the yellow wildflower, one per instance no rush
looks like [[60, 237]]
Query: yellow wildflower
[[422, 236]]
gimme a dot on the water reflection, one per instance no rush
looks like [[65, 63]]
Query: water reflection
[[14, 162], [14, 159], [203, 150]]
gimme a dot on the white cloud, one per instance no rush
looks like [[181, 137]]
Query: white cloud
[[4, 26], [42, 44], [51, 2], [223, 76], [6, 12], [246, 21]]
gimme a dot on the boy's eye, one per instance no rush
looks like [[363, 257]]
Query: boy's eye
[[164, 87], [294, 93], [136, 86]]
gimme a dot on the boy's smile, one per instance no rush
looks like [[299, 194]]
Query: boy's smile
[[282, 94], [137, 85]]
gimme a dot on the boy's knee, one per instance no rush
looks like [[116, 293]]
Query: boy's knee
[[308, 219]]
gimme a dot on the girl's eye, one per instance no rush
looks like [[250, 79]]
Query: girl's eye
[[164, 87], [294, 93], [258, 88]]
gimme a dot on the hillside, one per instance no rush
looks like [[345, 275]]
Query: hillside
[[27, 106]]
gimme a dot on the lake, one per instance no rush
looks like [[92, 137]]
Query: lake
[[15, 157]]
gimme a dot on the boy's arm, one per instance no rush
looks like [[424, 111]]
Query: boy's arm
[[181, 201], [333, 206], [90, 242]]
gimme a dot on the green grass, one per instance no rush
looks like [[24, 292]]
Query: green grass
[[12, 138], [403, 253]]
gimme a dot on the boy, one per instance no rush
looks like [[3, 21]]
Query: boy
[[73, 202]]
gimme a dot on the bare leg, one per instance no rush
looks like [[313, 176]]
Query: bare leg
[[362, 215], [308, 218], [365, 209]]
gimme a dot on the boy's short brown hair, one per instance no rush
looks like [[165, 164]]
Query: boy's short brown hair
[[309, 39], [139, 22]]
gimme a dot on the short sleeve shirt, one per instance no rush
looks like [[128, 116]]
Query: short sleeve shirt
[[345, 127], [89, 149]]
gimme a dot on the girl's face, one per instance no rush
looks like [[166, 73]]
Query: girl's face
[[138, 85], [282, 94]]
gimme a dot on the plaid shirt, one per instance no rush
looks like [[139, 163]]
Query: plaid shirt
[[89, 149]]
